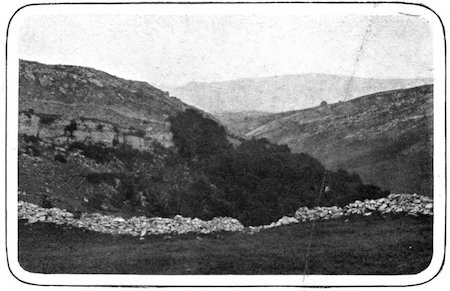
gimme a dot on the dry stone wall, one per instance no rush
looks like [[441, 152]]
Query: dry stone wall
[[410, 204], [136, 226]]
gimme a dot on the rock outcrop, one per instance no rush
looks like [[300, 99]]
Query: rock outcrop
[[90, 131]]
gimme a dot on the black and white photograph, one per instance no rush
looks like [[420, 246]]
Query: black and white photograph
[[299, 141]]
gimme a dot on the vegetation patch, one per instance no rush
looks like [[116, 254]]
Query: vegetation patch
[[257, 182], [46, 119]]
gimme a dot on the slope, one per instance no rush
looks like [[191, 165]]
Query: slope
[[385, 137]]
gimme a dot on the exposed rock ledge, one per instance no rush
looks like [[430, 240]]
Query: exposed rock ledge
[[410, 204]]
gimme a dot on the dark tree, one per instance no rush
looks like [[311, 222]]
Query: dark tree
[[196, 136]]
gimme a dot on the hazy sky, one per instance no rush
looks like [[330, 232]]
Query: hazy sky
[[175, 49]]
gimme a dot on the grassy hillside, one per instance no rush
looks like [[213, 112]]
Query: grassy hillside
[[244, 122], [361, 245], [385, 137]]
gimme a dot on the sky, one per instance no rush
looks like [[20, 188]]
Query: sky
[[176, 49]]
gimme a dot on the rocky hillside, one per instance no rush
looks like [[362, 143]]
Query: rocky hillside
[[104, 108], [85, 137], [283, 93], [73, 92], [385, 137]]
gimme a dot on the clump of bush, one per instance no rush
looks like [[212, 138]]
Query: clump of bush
[[60, 158], [104, 154], [70, 128], [256, 182], [137, 132], [46, 119], [97, 201], [28, 112], [108, 178], [98, 152], [32, 146], [46, 202]]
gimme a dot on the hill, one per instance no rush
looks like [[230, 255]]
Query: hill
[[385, 137], [94, 99], [86, 137], [77, 92], [283, 93], [89, 141]]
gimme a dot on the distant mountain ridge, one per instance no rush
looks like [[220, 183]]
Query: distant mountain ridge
[[283, 93], [385, 137]]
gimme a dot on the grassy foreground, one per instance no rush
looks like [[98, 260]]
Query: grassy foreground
[[360, 245]]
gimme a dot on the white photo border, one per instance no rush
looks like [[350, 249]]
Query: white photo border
[[439, 150]]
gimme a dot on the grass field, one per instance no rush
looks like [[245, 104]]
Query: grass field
[[361, 245]]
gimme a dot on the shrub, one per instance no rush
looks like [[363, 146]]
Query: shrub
[[32, 146], [98, 152], [96, 201], [31, 139], [28, 112], [60, 158], [48, 118], [71, 127], [34, 150], [108, 178], [138, 132], [46, 202]]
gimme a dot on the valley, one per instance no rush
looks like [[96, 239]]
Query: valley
[[120, 152]]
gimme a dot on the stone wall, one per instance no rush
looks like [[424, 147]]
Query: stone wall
[[410, 204], [136, 226]]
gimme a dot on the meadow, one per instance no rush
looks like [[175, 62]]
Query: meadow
[[391, 245]]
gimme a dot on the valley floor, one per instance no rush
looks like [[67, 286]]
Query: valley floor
[[352, 245]]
